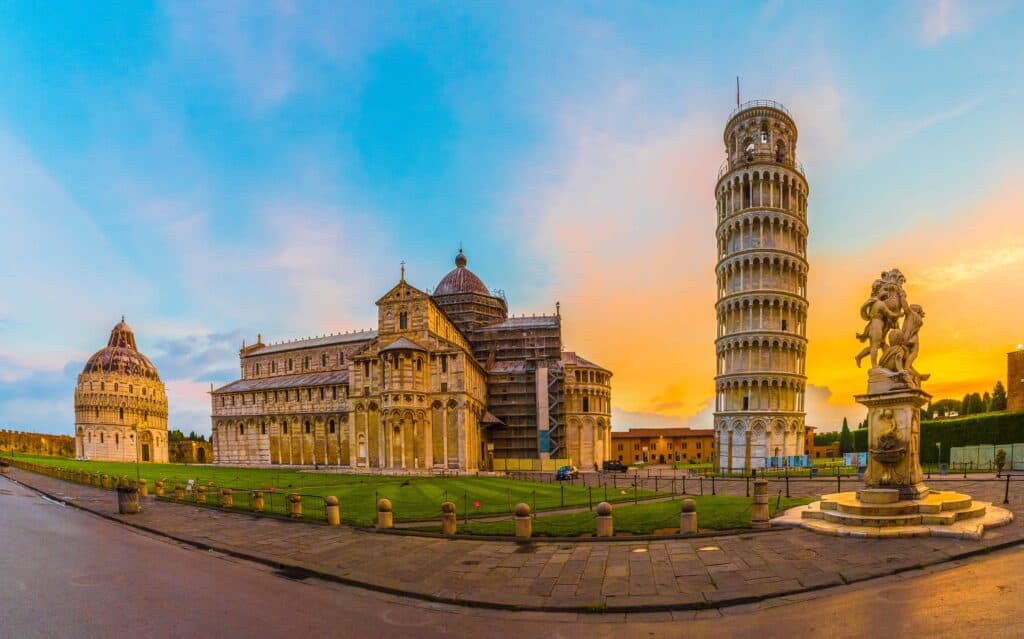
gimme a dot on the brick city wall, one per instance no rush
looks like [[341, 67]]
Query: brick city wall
[[37, 443]]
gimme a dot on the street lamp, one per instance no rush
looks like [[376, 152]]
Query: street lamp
[[938, 458]]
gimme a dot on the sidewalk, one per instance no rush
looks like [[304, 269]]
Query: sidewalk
[[622, 575]]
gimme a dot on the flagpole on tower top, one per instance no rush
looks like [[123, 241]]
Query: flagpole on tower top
[[737, 90]]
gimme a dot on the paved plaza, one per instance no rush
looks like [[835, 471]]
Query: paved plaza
[[621, 575]]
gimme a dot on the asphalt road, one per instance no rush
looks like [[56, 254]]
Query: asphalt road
[[66, 573]]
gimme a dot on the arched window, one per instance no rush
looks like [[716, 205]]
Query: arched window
[[101, 438], [117, 439], [586, 404], [115, 386], [331, 426], [323, 360], [321, 393], [241, 429], [284, 427], [257, 369], [334, 392], [419, 364], [289, 364], [131, 389], [263, 428], [97, 413], [305, 363], [444, 363], [341, 358], [121, 411], [403, 320], [273, 367], [307, 426]]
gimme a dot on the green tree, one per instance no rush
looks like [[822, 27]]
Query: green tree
[[999, 396], [845, 439], [965, 405], [175, 436], [986, 399], [824, 439], [977, 405], [1000, 461]]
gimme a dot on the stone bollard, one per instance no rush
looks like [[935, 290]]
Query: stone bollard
[[333, 510], [143, 488], [179, 491], [385, 518], [688, 517], [105, 482], [258, 505], [200, 494], [295, 506], [759, 515], [448, 518], [227, 498], [605, 528], [524, 522], [158, 488], [127, 498]]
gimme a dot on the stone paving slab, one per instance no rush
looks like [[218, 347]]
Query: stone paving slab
[[673, 573]]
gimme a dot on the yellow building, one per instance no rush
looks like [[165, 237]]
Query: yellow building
[[447, 381], [663, 445], [120, 404]]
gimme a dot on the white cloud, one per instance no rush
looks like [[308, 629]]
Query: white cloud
[[941, 19]]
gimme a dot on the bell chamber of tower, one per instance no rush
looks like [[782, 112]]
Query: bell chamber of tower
[[761, 345]]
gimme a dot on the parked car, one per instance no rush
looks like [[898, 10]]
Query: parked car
[[614, 466], [567, 472]]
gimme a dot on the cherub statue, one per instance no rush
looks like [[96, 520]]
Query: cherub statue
[[895, 356], [880, 316], [912, 322]]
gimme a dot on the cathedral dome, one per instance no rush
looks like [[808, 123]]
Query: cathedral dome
[[121, 356], [460, 280]]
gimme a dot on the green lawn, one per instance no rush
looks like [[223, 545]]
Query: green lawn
[[713, 513], [412, 497]]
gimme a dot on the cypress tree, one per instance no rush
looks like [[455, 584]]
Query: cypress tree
[[999, 396]]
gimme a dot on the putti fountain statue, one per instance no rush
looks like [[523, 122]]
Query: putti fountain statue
[[894, 398], [894, 501]]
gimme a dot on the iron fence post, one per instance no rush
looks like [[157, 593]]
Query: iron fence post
[[1006, 495]]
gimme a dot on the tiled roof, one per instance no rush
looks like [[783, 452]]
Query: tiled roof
[[402, 344], [664, 432], [570, 358], [326, 340], [285, 381], [120, 355], [489, 418], [513, 323]]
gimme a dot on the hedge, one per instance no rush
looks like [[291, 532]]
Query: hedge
[[987, 428]]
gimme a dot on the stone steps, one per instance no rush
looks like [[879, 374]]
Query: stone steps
[[939, 508]]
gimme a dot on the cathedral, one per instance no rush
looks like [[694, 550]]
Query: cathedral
[[448, 381], [120, 404]]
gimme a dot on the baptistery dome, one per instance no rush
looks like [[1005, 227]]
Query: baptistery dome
[[120, 404], [121, 356]]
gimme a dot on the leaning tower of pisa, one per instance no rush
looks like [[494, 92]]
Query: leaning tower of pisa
[[761, 346]]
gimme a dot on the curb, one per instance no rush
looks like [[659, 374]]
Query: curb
[[297, 571]]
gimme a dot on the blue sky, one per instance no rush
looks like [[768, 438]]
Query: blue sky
[[214, 170]]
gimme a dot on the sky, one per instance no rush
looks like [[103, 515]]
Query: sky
[[217, 170]]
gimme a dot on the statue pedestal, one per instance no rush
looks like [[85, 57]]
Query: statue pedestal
[[894, 441]]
